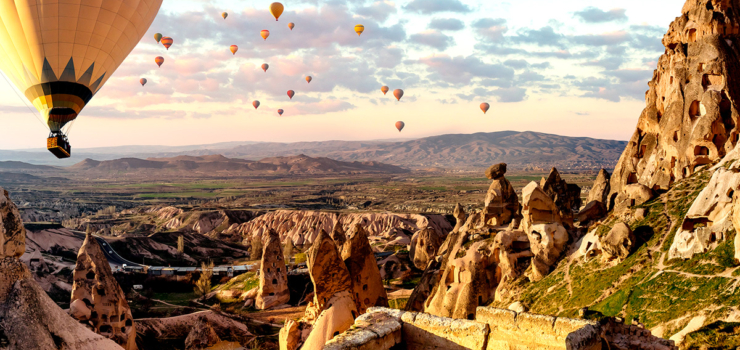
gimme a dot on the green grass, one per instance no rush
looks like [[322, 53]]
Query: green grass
[[718, 335], [244, 282], [181, 299]]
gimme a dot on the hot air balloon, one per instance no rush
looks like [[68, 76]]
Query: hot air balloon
[[398, 93], [224, 15], [234, 49], [280, 111], [291, 25], [61, 84], [159, 60], [384, 89], [256, 104], [291, 93], [359, 29], [143, 81], [308, 79], [265, 66], [484, 107], [276, 9], [400, 125], [167, 42], [265, 33], [157, 37]]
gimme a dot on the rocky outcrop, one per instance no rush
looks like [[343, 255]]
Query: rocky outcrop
[[502, 204], [566, 196], [273, 289], [544, 227], [424, 246], [600, 190], [338, 235], [29, 319], [367, 287], [328, 272], [97, 300], [690, 118], [202, 335], [196, 329], [618, 243]]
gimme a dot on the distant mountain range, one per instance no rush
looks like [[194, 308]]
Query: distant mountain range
[[521, 150]]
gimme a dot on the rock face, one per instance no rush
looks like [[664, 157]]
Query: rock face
[[367, 287], [544, 227], [97, 299], [690, 117], [502, 203], [273, 289], [327, 269], [424, 245], [567, 196], [196, 329], [29, 319], [600, 190], [338, 234], [618, 243]]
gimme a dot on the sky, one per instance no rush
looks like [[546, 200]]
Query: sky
[[575, 68]]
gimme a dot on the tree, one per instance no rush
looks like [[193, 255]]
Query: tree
[[181, 245], [203, 285], [256, 253]]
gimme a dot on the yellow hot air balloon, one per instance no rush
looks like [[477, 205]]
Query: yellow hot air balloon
[[359, 29], [276, 9], [57, 70], [158, 37]]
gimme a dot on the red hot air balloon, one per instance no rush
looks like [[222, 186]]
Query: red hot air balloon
[[384, 89], [398, 93], [159, 60], [280, 111], [484, 107], [291, 93], [265, 66], [167, 42], [400, 125], [291, 25], [234, 49], [142, 81], [264, 33], [256, 104], [308, 79]]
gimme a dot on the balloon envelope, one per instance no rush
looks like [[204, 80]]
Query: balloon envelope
[[167, 42], [224, 15], [291, 93], [398, 93], [308, 78], [291, 25], [157, 37], [484, 107], [384, 89], [159, 60], [265, 33], [400, 125], [280, 111], [142, 81], [276, 9], [359, 29], [265, 66], [256, 104], [234, 49]]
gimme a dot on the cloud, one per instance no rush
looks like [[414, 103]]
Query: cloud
[[432, 38], [613, 38], [427, 7], [594, 15], [545, 36], [461, 70], [492, 29], [517, 64], [512, 94], [379, 10], [631, 75], [319, 107], [451, 24]]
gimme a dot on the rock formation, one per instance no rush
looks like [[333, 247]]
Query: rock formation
[[424, 246], [502, 203], [617, 244], [97, 300], [198, 330], [367, 287], [29, 319], [338, 235], [544, 227], [566, 196], [328, 272], [690, 116], [273, 290], [600, 190]]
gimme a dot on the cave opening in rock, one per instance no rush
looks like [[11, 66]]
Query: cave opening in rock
[[701, 151], [690, 224], [675, 136], [692, 35], [694, 110], [274, 281], [632, 178], [90, 275]]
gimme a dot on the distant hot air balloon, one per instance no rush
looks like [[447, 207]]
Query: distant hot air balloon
[[291, 93], [265, 66], [359, 29], [142, 81], [167, 42], [157, 37], [280, 111], [224, 15], [265, 33], [384, 89], [58, 78], [484, 107], [398, 93], [291, 25], [400, 125], [276, 9], [159, 60], [308, 79], [256, 104], [234, 49]]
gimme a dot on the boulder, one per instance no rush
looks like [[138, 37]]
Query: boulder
[[367, 287], [496, 171], [567, 197], [273, 289], [593, 211], [424, 246], [600, 189], [632, 195], [502, 203], [618, 243], [544, 227]]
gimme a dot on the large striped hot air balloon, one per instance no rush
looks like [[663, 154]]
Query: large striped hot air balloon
[[167, 42], [359, 29], [60, 53]]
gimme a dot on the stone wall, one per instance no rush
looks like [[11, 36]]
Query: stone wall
[[492, 329]]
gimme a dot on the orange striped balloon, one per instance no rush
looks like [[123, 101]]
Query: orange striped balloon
[[167, 42], [159, 60]]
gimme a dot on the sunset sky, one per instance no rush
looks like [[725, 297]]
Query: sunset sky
[[550, 66]]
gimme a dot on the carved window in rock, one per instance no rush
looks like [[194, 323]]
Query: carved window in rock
[[106, 329], [274, 281], [692, 35], [694, 110], [632, 178], [701, 151], [90, 275]]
